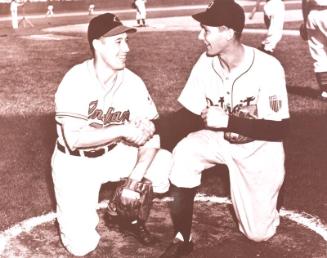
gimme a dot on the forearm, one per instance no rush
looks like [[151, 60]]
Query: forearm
[[175, 126], [89, 137], [259, 129], [144, 160]]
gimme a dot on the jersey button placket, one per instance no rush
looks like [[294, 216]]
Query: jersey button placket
[[228, 85]]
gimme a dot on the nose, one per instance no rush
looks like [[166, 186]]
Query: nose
[[201, 34], [125, 47]]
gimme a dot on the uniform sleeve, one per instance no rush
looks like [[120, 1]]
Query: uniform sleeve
[[69, 98], [71, 110], [193, 94], [273, 100]]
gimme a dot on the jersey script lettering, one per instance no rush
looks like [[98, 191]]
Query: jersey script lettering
[[110, 117]]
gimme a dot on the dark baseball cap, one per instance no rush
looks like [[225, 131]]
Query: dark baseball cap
[[106, 24], [222, 13]]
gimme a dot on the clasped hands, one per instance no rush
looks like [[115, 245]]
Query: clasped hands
[[214, 117], [138, 132]]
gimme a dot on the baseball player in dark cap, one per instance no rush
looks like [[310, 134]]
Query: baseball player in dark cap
[[244, 112], [103, 113]]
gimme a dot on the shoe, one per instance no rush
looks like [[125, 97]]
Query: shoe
[[140, 232], [323, 96], [178, 248]]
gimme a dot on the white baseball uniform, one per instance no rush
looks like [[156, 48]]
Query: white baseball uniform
[[81, 100], [14, 15], [140, 10], [256, 168], [49, 10], [317, 34], [274, 12]]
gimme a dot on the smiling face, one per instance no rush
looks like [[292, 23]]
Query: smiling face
[[216, 39], [112, 51]]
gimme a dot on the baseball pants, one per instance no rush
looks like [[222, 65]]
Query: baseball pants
[[77, 182], [274, 12], [256, 172], [317, 33]]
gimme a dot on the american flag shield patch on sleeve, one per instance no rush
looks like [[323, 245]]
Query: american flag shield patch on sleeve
[[275, 103]]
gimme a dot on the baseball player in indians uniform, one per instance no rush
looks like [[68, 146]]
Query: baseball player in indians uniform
[[244, 109], [103, 113], [315, 20], [274, 12]]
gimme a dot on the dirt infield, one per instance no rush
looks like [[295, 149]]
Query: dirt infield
[[215, 234]]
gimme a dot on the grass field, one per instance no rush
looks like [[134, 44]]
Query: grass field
[[31, 71]]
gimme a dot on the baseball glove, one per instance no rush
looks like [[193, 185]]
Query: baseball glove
[[132, 208], [247, 112], [303, 32]]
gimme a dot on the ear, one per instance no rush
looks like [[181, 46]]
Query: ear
[[230, 34], [96, 43]]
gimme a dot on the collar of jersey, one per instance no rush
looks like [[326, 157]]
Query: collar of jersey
[[242, 67], [116, 83]]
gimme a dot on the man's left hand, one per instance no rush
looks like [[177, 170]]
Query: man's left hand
[[215, 117]]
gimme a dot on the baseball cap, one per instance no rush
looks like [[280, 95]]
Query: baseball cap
[[106, 24], [222, 13]]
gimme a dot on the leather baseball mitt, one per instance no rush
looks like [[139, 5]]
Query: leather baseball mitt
[[129, 207], [247, 112]]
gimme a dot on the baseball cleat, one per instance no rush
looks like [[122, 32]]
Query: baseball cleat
[[139, 232], [178, 248]]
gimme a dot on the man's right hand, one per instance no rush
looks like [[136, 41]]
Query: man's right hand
[[136, 135]]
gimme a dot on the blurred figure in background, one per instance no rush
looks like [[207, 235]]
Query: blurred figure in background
[[140, 12], [50, 10], [14, 13], [91, 9], [314, 30], [274, 12]]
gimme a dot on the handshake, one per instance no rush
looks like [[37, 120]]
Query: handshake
[[138, 132]]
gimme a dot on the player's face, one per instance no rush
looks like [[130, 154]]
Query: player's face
[[113, 51], [215, 39]]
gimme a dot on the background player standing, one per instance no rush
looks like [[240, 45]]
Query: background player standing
[[244, 108], [49, 10], [274, 12], [91, 9], [140, 12], [315, 26], [14, 13], [103, 113]]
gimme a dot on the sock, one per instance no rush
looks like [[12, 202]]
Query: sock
[[182, 210]]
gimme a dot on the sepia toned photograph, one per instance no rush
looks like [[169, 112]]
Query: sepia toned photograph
[[163, 128]]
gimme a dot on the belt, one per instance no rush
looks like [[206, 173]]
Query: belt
[[89, 154]]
